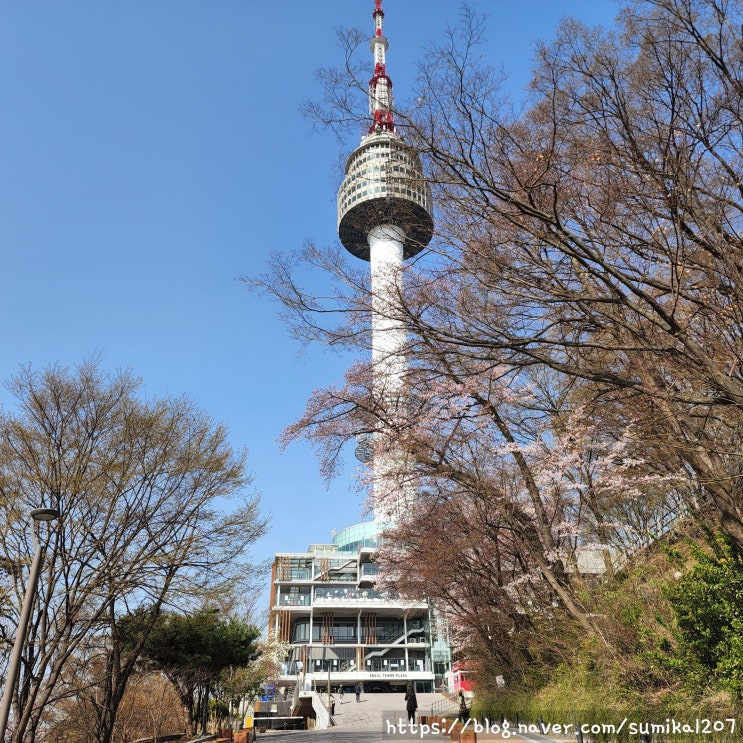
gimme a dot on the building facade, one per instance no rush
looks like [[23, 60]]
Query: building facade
[[342, 629]]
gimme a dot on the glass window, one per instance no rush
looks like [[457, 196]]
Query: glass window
[[344, 632], [301, 631]]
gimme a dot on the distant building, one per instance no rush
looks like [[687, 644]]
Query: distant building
[[343, 630], [460, 679]]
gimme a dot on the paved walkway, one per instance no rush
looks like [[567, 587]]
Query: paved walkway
[[371, 712], [374, 719]]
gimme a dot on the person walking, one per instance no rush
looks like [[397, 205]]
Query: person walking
[[341, 693], [411, 703], [464, 712], [357, 689]]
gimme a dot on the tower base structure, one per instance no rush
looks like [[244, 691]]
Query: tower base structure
[[343, 629]]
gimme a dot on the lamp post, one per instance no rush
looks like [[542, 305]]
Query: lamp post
[[37, 514]]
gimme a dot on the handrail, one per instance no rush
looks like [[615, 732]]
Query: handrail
[[295, 696], [442, 705]]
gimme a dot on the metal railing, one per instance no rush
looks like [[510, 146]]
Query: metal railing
[[444, 706]]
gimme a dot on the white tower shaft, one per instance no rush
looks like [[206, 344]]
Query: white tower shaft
[[389, 363], [388, 332]]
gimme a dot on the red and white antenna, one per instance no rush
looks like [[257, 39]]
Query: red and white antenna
[[380, 86]]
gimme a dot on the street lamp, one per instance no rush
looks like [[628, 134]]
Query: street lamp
[[37, 514]]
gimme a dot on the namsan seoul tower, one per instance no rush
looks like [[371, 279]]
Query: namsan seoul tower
[[384, 216]]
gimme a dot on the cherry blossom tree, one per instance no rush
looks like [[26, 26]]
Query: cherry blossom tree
[[574, 354], [594, 230]]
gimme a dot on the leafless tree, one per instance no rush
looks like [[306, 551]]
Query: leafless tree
[[597, 232], [156, 510]]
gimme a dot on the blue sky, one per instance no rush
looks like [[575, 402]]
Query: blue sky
[[151, 153]]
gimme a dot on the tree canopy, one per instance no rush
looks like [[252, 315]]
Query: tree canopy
[[155, 508], [194, 649]]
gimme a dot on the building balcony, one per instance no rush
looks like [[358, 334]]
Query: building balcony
[[287, 601], [303, 574], [376, 666], [362, 597], [381, 666]]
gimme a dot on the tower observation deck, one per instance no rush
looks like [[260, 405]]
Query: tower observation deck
[[384, 184]]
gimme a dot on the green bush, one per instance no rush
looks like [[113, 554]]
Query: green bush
[[708, 603]]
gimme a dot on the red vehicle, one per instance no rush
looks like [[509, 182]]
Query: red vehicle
[[461, 681]]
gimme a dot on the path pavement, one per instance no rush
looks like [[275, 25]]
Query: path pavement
[[371, 712], [375, 719]]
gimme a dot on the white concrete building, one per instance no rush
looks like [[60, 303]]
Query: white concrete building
[[343, 629]]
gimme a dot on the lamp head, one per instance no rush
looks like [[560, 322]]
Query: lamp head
[[44, 514]]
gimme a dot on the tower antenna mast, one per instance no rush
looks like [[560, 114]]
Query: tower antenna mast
[[380, 85]]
